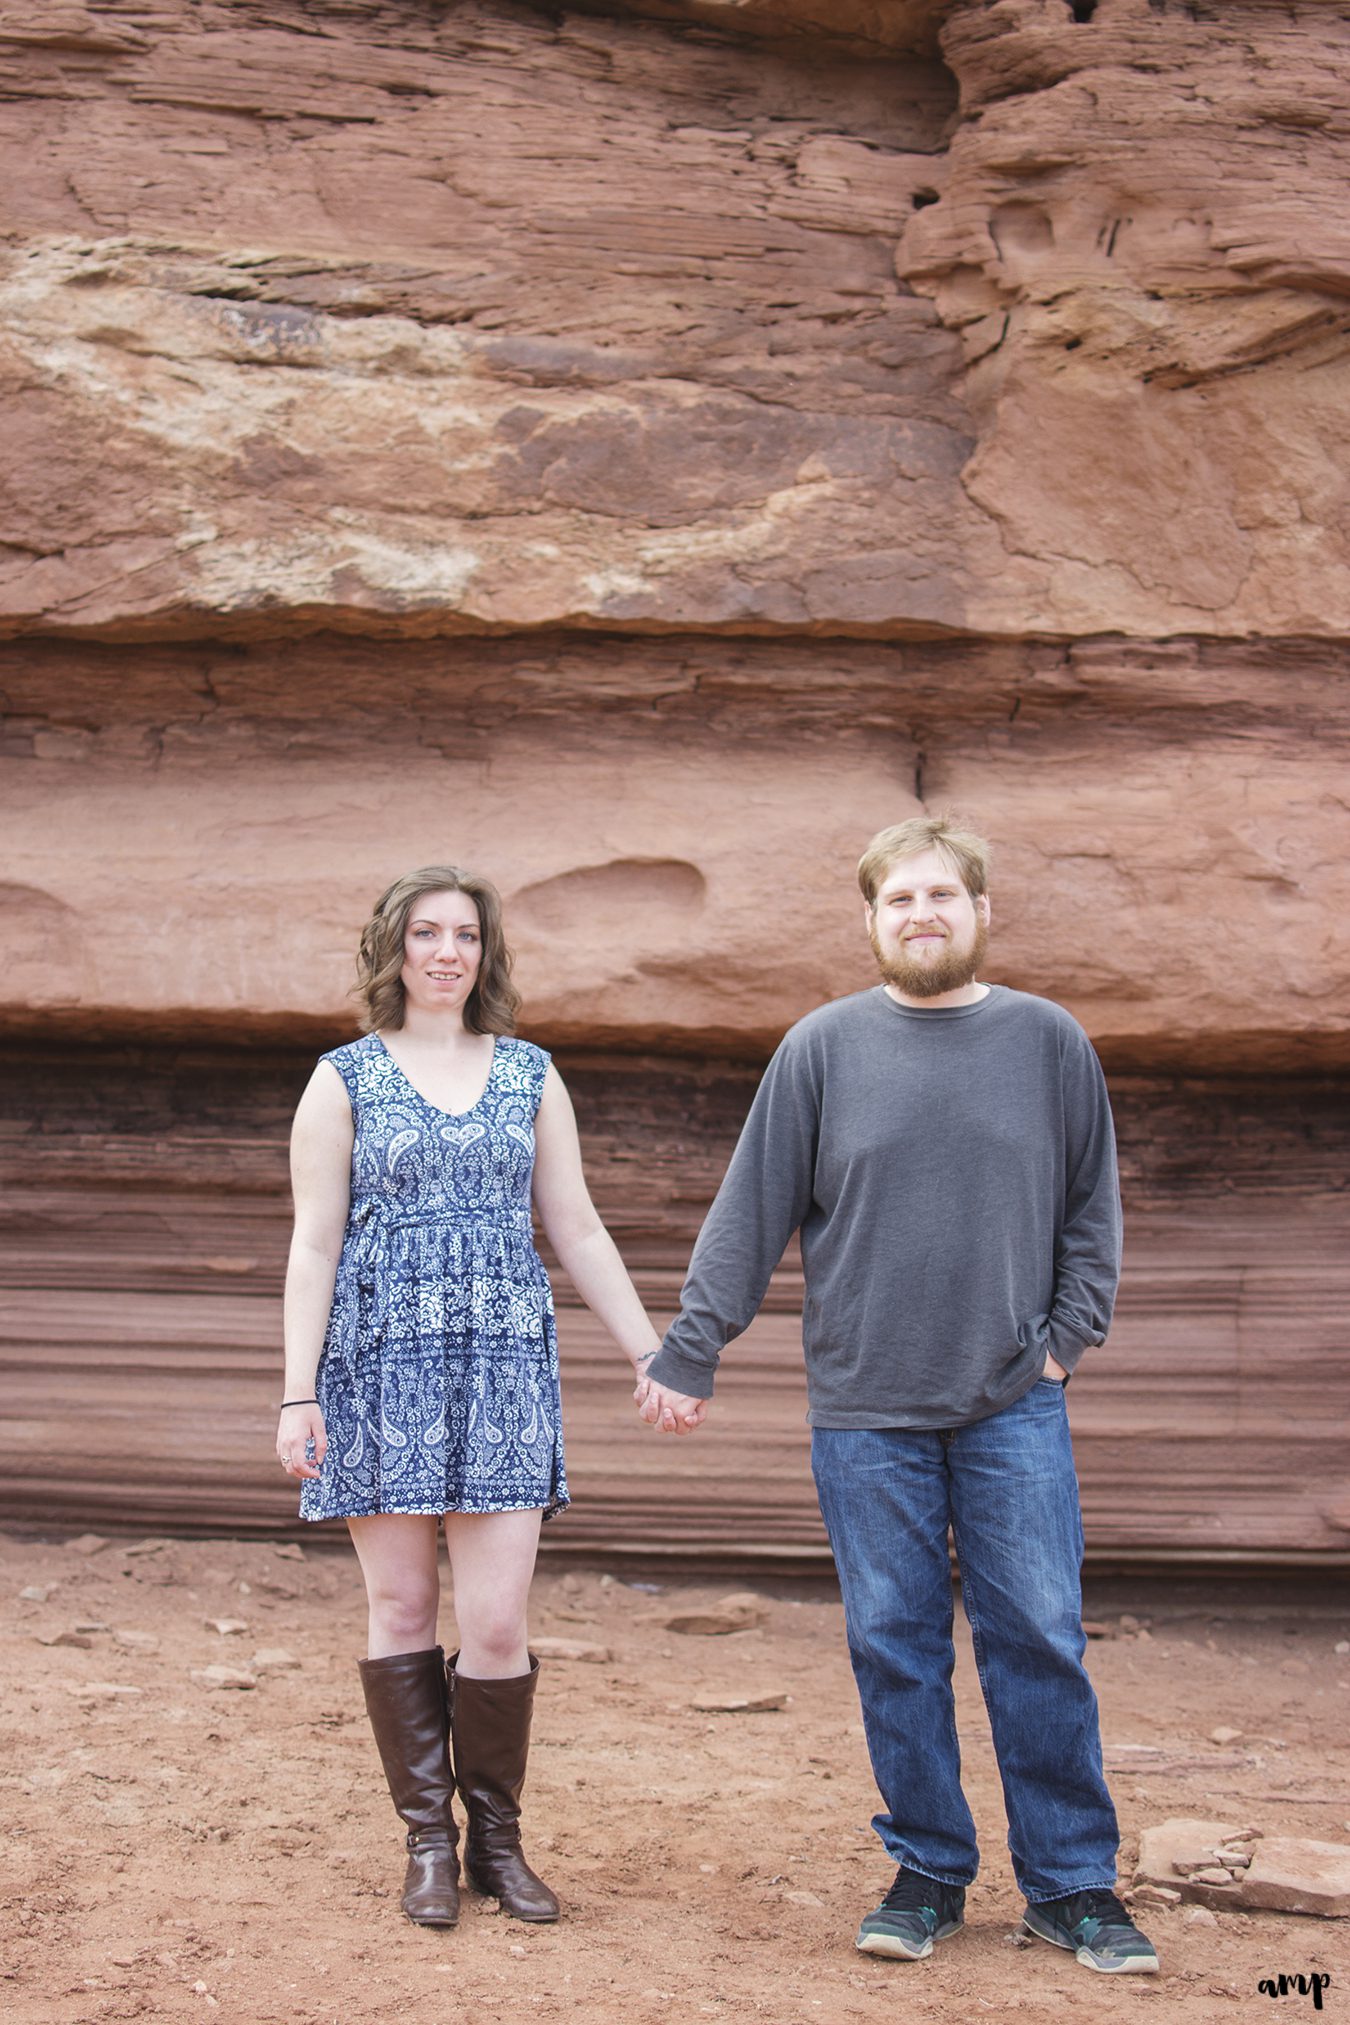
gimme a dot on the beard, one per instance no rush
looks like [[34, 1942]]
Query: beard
[[918, 978]]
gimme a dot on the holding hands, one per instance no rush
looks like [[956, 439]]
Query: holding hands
[[662, 1407]]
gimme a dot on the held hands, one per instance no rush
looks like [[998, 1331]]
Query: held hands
[[663, 1408], [301, 1439]]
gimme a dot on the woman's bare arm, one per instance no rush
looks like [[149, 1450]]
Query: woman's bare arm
[[321, 1157], [585, 1249]]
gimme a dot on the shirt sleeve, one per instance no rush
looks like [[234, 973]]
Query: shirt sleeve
[[1087, 1256], [764, 1196]]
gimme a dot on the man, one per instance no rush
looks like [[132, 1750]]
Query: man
[[946, 1149]]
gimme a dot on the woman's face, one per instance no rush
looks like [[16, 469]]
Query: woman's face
[[442, 949]]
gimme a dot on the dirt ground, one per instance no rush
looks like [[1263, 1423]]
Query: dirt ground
[[174, 1849]]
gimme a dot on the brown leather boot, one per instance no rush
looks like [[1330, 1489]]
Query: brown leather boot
[[406, 1702], [490, 1733]]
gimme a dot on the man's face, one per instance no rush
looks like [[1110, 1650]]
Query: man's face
[[927, 934]]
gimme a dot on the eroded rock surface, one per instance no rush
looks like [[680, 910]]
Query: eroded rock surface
[[476, 317], [144, 1241], [1138, 241], [411, 413], [417, 320], [194, 836], [1225, 1867]]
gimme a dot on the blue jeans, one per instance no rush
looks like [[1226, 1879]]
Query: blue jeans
[[1006, 1486]]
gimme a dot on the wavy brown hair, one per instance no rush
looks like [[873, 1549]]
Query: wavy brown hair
[[491, 1006]]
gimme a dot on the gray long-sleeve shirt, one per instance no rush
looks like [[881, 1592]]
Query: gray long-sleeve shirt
[[953, 1174]]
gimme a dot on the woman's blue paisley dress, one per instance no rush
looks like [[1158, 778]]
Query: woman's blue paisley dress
[[439, 1374]]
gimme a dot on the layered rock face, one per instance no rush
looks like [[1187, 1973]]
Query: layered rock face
[[194, 834], [145, 1246], [637, 452]]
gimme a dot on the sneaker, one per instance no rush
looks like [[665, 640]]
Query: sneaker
[[915, 1912], [1095, 1927]]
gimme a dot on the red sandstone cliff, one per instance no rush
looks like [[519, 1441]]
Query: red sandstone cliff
[[638, 451]]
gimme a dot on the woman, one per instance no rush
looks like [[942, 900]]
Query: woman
[[421, 1381]]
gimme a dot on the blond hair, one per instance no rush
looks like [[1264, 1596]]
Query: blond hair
[[967, 853], [492, 1004]]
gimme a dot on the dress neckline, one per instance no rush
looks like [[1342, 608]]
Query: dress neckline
[[439, 1109]]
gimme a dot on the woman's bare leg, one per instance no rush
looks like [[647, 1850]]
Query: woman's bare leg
[[398, 1556], [404, 1684], [492, 1700], [492, 1556]]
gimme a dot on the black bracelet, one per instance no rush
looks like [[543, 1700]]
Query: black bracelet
[[297, 1402]]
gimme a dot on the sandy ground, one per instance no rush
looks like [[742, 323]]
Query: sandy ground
[[177, 1850]]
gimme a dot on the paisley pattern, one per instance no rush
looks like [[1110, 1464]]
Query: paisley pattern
[[439, 1374]]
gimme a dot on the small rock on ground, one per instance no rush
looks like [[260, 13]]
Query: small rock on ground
[[571, 1648], [86, 1544], [224, 1677], [738, 1705]]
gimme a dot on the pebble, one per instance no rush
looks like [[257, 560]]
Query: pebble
[[701, 1624], [38, 1592], [516, 1950], [1341, 1645], [289, 1552], [802, 1898], [1224, 1735], [742, 1612], [146, 1547], [738, 1705], [1211, 1874], [78, 1638], [91, 1624], [224, 1677], [103, 1690], [1201, 1916], [86, 1544], [571, 1648], [228, 1627], [273, 1659], [136, 1641]]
